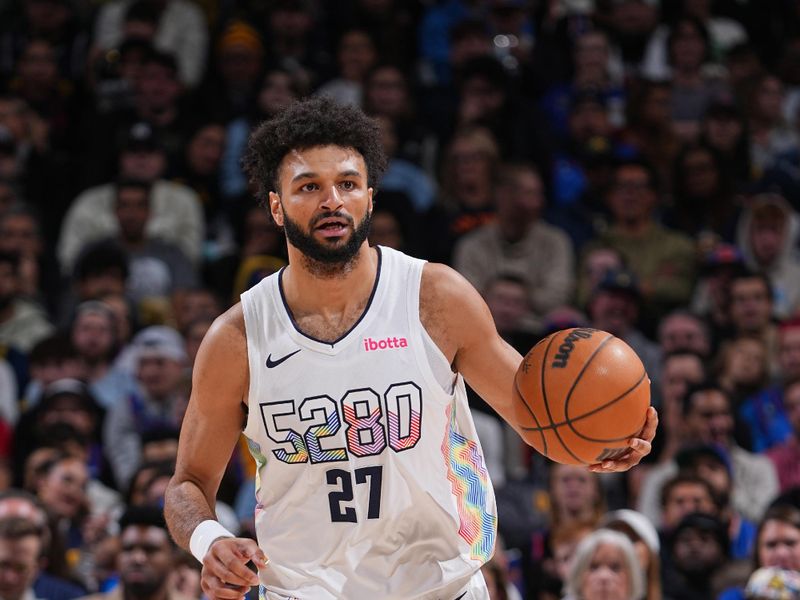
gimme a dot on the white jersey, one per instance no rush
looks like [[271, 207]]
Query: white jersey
[[370, 482]]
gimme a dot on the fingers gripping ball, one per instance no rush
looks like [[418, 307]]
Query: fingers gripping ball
[[579, 395]]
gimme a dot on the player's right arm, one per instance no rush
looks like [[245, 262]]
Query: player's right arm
[[209, 432]]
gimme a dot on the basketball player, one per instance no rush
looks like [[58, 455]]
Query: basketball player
[[346, 372]]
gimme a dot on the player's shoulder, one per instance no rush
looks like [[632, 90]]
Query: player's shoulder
[[441, 283], [228, 329]]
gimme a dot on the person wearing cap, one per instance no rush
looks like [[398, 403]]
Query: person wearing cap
[[644, 537], [662, 260], [160, 363], [767, 233], [614, 306], [177, 214]]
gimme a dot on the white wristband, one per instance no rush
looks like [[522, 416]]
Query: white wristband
[[204, 535]]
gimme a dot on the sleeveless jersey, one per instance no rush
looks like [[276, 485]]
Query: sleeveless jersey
[[370, 481]]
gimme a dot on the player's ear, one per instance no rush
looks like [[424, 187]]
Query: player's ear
[[370, 192], [276, 208]]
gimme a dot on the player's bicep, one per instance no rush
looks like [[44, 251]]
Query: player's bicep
[[215, 415]]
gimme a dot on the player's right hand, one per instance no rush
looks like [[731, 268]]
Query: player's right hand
[[225, 574]]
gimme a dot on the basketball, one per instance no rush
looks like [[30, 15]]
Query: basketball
[[579, 395]]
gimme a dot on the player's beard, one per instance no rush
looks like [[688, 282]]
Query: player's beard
[[326, 260]]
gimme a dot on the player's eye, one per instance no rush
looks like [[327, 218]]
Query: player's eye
[[309, 187], [348, 185]]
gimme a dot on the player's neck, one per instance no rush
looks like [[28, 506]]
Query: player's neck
[[307, 292]]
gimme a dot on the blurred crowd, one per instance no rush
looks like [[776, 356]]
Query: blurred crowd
[[629, 165]]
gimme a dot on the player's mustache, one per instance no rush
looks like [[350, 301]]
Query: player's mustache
[[335, 215]]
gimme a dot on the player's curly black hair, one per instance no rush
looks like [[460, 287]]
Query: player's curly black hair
[[317, 121]]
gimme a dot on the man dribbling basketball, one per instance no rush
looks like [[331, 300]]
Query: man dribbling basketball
[[345, 370]]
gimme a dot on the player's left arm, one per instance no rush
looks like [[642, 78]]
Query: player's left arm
[[466, 329]]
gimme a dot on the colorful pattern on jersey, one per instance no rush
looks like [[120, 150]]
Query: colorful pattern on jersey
[[371, 423], [300, 454], [395, 441], [470, 483], [320, 431], [261, 460]]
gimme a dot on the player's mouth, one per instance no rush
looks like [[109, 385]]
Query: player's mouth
[[333, 227]]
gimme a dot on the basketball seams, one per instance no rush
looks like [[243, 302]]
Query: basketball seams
[[594, 411], [530, 411], [547, 404], [619, 439]]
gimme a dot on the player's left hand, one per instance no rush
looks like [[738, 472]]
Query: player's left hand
[[639, 447]]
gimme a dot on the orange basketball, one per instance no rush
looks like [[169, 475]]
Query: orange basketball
[[580, 394]]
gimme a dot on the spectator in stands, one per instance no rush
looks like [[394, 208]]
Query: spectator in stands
[[682, 330], [767, 234], [176, 211], [507, 298], [662, 260], [742, 369], [520, 243], [355, 56], [778, 539], [614, 307], [697, 551], [594, 264], [704, 204], [711, 297], [160, 362], [708, 419], [22, 548], [644, 538], [181, 29], [724, 132], [786, 456], [20, 234], [770, 135], [605, 567], [466, 198], [750, 311], [22, 323], [682, 495], [146, 558], [158, 268]]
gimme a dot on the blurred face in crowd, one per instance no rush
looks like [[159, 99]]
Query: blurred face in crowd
[[194, 337], [69, 409], [20, 563], [573, 489], [591, 53], [767, 239], [696, 551], [598, 262], [205, 149], [142, 164], [385, 230], [633, 17], [791, 404], [683, 332], [632, 198], [483, 94], [789, 352], [709, 419], [46, 17], [769, 99], [240, 63], [508, 303], [118, 305], [20, 233], [750, 305], [93, 335], [685, 498], [779, 545], [677, 373], [9, 284], [196, 304], [470, 162], [386, 92], [701, 174], [145, 560], [133, 212], [290, 22], [688, 47], [37, 66], [356, 55], [607, 577], [276, 92], [614, 311], [520, 199], [14, 116], [159, 375], [63, 488], [587, 120], [746, 361], [724, 132], [158, 87]]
